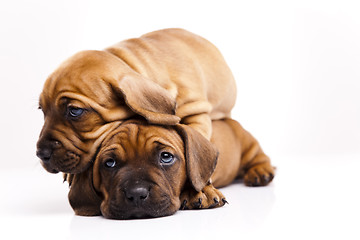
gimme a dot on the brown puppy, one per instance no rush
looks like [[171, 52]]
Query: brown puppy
[[145, 170], [156, 76]]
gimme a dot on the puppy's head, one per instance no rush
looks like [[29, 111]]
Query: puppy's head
[[82, 99], [141, 170]]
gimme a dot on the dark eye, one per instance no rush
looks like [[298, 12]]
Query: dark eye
[[166, 158], [110, 163], [75, 112]]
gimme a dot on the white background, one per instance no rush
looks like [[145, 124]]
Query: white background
[[297, 67]]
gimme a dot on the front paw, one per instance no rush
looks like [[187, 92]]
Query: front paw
[[209, 197], [259, 175]]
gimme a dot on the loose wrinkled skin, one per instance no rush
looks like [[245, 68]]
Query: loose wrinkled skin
[[130, 180], [167, 77]]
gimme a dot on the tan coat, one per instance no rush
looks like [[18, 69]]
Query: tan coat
[[168, 76]]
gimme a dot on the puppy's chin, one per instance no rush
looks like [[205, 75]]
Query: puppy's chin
[[48, 167], [69, 162], [123, 212]]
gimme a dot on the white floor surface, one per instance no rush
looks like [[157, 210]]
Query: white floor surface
[[310, 198]]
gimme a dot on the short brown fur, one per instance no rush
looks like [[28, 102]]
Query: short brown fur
[[136, 145], [160, 74]]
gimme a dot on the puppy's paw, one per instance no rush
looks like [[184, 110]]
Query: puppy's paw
[[259, 175], [209, 197]]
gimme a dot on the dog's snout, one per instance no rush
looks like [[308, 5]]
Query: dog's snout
[[137, 194], [45, 151], [44, 154]]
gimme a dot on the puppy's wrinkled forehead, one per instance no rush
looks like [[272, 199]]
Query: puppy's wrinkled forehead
[[134, 139], [87, 73]]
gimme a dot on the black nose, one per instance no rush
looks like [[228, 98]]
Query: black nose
[[46, 149], [137, 194], [44, 154]]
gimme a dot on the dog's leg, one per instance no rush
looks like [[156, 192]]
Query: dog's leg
[[209, 197], [255, 165], [259, 175]]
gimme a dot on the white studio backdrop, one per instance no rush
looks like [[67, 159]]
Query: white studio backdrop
[[296, 63]]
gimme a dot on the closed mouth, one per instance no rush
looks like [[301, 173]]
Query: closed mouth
[[119, 212], [68, 163]]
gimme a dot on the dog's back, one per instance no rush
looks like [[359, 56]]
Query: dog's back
[[185, 64]]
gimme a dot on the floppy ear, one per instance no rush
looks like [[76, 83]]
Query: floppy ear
[[201, 156], [148, 99], [82, 196]]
